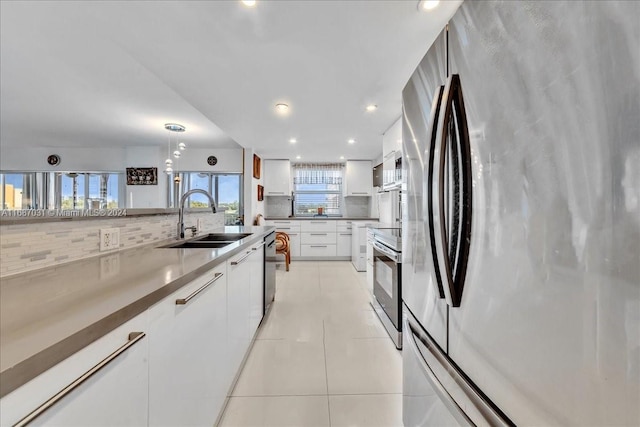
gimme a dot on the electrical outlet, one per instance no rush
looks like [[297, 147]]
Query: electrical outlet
[[109, 239]]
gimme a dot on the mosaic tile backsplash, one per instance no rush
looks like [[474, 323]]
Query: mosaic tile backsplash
[[27, 247]]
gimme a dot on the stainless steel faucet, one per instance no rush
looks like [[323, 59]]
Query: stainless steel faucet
[[183, 199]]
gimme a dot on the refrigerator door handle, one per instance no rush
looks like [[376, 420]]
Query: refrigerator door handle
[[468, 405], [432, 131], [452, 217], [454, 409]]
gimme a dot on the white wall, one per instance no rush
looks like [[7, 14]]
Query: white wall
[[146, 196], [117, 159], [192, 159], [252, 207], [195, 159], [73, 159]]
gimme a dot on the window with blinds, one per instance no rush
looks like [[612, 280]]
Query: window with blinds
[[317, 186]]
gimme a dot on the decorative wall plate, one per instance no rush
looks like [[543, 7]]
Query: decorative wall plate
[[53, 160]]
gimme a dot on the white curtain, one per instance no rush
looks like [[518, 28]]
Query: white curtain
[[318, 173]]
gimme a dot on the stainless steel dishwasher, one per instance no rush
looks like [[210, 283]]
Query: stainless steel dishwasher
[[269, 270]]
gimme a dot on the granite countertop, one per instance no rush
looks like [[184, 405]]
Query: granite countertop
[[305, 218], [47, 315]]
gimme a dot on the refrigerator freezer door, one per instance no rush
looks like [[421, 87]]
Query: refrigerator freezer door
[[434, 391], [548, 326], [420, 290]]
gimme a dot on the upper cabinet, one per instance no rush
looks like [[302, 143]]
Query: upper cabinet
[[277, 177], [392, 152], [358, 178], [392, 139]]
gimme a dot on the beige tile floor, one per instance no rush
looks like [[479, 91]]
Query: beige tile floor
[[321, 358]]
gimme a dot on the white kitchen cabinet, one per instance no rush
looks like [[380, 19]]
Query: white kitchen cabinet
[[294, 244], [245, 301], [238, 307], [277, 178], [343, 246], [318, 226], [392, 138], [343, 238], [370, 262], [319, 237], [359, 178], [318, 250], [115, 395], [292, 228], [256, 293], [188, 363]]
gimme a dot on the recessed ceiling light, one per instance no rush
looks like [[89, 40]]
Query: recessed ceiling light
[[298, 157], [282, 108], [351, 141], [372, 107], [428, 4], [341, 157], [174, 127], [249, 3], [293, 140]]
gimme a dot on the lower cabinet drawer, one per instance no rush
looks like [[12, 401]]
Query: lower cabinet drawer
[[318, 237], [294, 244], [318, 250]]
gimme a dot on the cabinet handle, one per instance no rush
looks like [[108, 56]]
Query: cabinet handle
[[318, 246], [275, 192], [255, 248], [134, 337], [318, 234], [241, 259], [293, 234], [360, 192], [345, 234], [183, 301], [318, 222], [282, 222], [284, 228]]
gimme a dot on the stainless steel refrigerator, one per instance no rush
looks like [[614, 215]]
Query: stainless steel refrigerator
[[521, 246]]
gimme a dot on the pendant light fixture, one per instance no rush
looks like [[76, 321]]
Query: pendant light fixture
[[173, 127]]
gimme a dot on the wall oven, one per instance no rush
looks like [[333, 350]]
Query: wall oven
[[387, 281]]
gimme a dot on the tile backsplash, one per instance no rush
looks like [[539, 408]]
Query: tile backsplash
[[356, 207], [277, 206], [26, 247]]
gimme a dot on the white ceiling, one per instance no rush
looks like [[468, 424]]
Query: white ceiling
[[112, 73]]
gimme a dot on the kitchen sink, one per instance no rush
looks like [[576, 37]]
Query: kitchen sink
[[221, 237], [197, 244]]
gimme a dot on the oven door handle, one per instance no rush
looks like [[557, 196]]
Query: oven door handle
[[384, 250]]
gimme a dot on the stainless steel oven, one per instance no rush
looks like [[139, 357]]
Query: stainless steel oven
[[387, 281]]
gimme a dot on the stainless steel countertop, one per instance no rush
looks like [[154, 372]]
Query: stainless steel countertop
[[49, 314]]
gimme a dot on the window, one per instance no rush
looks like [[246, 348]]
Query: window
[[226, 189], [318, 186], [61, 190]]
